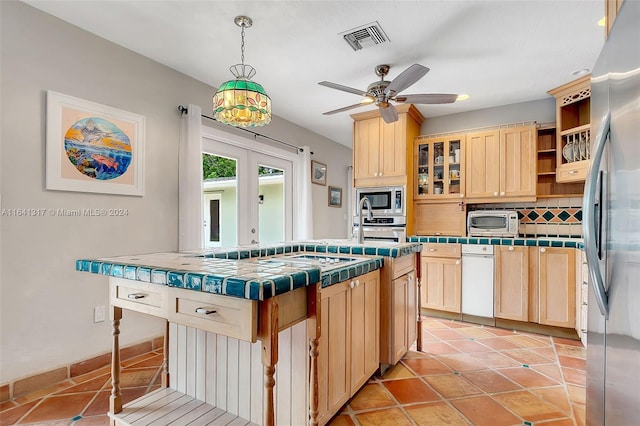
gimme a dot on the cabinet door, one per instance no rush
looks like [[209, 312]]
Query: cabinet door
[[400, 337], [441, 283], [518, 170], [482, 164], [366, 148], [393, 148], [511, 295], [557, 287], [364, 324], [412, 309], [333, 355], [440, 219]]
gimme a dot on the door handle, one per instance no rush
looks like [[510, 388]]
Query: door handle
[[591, 220]]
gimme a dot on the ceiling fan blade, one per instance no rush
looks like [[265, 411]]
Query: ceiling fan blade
[[347, 108], [389, 113], [343, 88], [431, 98], [406, 78]]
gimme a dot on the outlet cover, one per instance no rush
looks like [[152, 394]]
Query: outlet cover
[[99, 314]]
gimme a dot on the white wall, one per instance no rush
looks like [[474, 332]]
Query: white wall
[[46, 307]]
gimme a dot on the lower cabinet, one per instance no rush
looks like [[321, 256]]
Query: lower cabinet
[[535, 284], [441, 277], [348, 351]]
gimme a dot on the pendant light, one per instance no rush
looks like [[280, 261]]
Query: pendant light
[[242, 102]]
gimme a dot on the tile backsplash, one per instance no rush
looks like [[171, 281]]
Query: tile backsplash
[[548, 217]]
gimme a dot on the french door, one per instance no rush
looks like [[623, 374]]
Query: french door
[[247, 193]]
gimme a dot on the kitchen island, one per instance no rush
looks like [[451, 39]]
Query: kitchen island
[[233, 314]]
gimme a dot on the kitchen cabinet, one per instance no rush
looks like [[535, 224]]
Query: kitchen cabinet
[[382, 152], [511, 283], [398, 308], [557, 286], [611, 11], [348, 352], [535, 284], [439, 165], [441, 277], [501, 164], [582, 295], [440, 218], [573, 136], [547, 186]]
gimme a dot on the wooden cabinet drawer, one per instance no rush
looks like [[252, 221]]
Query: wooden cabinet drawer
[[224, 315], [441, 250], [137, 296], [403, 265], [573, 172]]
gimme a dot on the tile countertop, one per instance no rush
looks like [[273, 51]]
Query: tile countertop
[[238, 271], [531, 242]]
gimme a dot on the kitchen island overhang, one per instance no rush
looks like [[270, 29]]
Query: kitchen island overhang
[[276, 290]]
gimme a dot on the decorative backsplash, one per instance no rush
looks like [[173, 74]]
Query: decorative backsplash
[[549, 217]]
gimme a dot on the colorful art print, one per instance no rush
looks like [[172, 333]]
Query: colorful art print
[[93, 147]]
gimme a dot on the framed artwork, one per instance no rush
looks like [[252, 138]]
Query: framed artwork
[[93, 147], [318, 173], [335, 196]]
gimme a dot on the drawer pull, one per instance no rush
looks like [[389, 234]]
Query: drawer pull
[[432, 249], [136, 296], [573, 172], [205, 311]]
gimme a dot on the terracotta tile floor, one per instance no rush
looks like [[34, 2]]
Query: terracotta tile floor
[[465, 375], [468, 374]]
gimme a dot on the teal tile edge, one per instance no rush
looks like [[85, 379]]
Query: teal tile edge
[[529, 242], [342, 274]]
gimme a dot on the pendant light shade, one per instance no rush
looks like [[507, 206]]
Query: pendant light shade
[[241, 102]]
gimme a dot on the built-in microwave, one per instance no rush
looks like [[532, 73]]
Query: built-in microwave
[[492, 223], [385, 201]]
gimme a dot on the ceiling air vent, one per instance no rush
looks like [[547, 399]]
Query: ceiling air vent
[[365, 36]]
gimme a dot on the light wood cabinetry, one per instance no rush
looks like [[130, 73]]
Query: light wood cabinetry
[[382, 151], [501, 164], [573, 135], [582, 295], [441, 277], [547, 186], [611, 11], [535, 284], [440, 167], [348, 348], [511, 283], [440, 218], [398, 308], [557, 287]]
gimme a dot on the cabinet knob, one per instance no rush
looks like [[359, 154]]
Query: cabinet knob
[[357, 283], [542, 250], [432, 249], [502, 194], [205, 311], [410, 278], [495, 194], [572, 172], [457, 262], [511, 248], [461, 195], [135, 296], [352, 284]]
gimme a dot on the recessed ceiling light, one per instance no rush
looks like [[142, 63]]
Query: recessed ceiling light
[[462, 97], [583, 71], [602, 22]]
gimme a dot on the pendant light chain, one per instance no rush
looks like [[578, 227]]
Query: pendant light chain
[[242, 46]]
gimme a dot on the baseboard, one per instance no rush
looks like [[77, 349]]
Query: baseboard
[[26, 385]]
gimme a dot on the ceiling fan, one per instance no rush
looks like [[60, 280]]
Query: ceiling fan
[[382, 92]]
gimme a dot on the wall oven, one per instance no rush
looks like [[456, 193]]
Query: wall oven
[[388, 211]]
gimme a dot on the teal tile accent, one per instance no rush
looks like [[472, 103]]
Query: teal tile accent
[[495, 241], [564, 215], [235, 287], [556, 243], [309, 247], [279, 250], [532, 215], [548, 215], [473, 241], [193, 281], [320, 249], [433, 240], [344, 274], [531, 243], [571, 244], [518, 242], [525, 365], [233, 255], [463, 240], [357, 250], [130, 272], [345, 249], [175, 279], [442, 240], [213, 284], [332, 249], [452, 240], [543, 243], [158, 276], [483, 241], [144, 274], [245, 254], [384, 252], [578, 215], [370, 250], [506, 242], [255, 253], [105, 269]]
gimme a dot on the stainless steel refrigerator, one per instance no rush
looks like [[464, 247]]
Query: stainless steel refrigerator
[[611, 225]]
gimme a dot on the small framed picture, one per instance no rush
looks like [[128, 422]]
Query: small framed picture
[[318, 173], [335, 196]]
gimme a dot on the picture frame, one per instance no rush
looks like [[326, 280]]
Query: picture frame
[[93, 148], [335, 196], [318, 173]]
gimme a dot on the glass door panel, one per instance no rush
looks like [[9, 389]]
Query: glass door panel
[[271, 206], [455, 171], [439, 168], [220, 192], [423, 169]]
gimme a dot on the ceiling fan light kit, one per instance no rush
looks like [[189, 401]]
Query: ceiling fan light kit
[[382, 92], [242, 102]]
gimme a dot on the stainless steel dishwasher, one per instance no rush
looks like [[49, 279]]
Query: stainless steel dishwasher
[[477, 280]]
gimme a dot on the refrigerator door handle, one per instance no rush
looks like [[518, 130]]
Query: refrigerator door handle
[[592, 220]]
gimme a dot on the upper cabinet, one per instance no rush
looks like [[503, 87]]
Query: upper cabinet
[[501, 164], [573, 133], [382, 151], [439, 163]]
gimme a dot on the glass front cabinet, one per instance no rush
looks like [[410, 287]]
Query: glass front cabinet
[[439, 165]]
